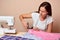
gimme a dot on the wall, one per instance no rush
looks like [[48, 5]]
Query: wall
[[17, 7]]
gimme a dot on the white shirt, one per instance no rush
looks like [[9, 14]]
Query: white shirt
[[41, 24]]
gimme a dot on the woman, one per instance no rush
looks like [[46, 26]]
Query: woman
[[42, 20]]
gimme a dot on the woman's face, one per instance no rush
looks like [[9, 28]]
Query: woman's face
[[43, 11]]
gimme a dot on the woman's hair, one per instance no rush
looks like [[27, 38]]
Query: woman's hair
[[47, 6]]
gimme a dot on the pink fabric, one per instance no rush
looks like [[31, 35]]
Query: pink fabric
[[45, 35]]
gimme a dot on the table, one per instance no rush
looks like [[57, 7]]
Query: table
[[16, 34]]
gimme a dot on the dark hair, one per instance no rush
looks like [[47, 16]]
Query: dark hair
[[47, 6]]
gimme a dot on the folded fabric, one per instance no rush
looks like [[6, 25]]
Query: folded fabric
[[7, 37], [45, 35], [30, 36]]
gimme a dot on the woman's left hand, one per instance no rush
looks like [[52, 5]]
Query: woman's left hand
[[36, 29]]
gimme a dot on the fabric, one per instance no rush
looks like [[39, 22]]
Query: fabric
[[45, 35], [30, 36], [7, 37], [41, 24]]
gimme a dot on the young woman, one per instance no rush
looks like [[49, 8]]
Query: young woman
[[42, 20]]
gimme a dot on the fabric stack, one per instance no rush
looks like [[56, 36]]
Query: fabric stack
[[6, 37]]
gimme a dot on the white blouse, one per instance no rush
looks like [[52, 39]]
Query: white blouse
[[41, 24]]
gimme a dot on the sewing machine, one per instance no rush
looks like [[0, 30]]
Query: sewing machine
[[9, 20]]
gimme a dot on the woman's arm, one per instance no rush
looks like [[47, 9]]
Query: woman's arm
[[49, 27], [25, 16]]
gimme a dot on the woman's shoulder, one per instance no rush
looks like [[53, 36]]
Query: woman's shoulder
[[35, 13], [49, 19]]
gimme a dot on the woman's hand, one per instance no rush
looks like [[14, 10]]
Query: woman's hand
[[25, 25], [36, 29], [25, 16]]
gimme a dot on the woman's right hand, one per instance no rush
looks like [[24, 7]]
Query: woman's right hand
[[25, 16], [25, 25]]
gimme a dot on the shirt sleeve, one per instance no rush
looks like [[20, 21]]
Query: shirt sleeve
[[50, 20], [35, 18]]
